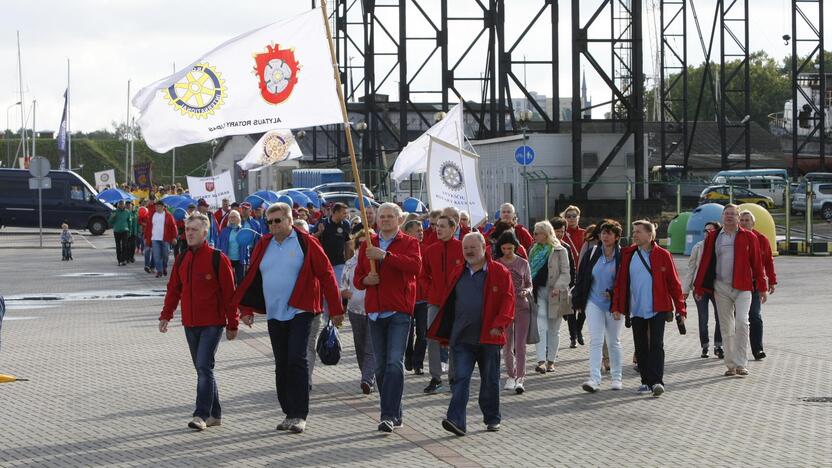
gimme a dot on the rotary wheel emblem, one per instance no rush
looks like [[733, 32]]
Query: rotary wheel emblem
[[199, 93], [451, 175], [275, 148]]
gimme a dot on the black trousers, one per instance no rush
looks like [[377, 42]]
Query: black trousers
[[291, 368], [122, 241], [576, 324], [417, 342], [131, 248], [648, 337]]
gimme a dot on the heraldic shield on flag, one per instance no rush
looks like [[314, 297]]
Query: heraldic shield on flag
[[279, 76]]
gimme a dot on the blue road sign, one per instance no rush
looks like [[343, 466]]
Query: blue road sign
[[524, 155]]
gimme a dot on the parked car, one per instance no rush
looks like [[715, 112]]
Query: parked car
[[721, 194], [347, 198], [821, 203], [71, 200], [343, 187]]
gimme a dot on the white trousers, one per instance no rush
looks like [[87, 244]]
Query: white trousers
[[601, 324], [733, 305]]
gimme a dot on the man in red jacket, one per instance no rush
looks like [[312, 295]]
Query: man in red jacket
[[203, 280], [509, 215], [647, 289], [755, 316], [389, 302], [731, 268], [414, 355], [476, 309], [440, 261], [288, 276], [159, 235]]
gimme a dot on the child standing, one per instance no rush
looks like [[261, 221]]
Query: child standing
[[66, 243]]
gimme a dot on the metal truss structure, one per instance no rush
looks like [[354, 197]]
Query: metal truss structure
[[673, 78], [808, 15]]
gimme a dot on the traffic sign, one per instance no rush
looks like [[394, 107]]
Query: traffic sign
[[39, 166], [524, 155], [44, 183]]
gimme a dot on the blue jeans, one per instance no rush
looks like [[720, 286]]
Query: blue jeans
[[487, 358], [755, 323], [203, 343], [389, 336], [702, 310], [160, 255]]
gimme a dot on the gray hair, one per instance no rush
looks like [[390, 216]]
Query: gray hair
[[281, 207], [477, 235], [200, 218], [302, 224], [508, 205], [749, 213], [390, 206]]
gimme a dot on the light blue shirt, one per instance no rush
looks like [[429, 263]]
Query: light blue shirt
[[641, 287], [603, 279], [280, 267], [383, 244], [233, 246]]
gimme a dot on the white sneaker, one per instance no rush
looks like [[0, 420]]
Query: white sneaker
[[511, 384], [590, 386], [212, 421], [298, 426], [197, 423], [616, 385], [518, 387]]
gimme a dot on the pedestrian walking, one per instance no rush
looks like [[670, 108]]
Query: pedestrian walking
[[204, 283], [551, 274], [731, 268], [648, 290], [593, 295], [574, 232], [389, 301], [414, 355], [508, 215], [518, 330], [287, 276], [440, 260], [358, 316], [230, 247], [159, 235], [66, 243], [702, 303], [120, 223], [755, 314], [473, 318], [133, 238]]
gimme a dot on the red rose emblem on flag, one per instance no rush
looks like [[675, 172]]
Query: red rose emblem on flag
[[277, 70]]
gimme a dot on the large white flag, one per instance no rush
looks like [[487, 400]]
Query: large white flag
[[213, 189], [273, 147], [454, 179], [413, 159], [278, 76]]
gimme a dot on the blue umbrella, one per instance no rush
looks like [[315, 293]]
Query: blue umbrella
[[115, 195], [313, 197], [413, 205], [180, 214], [285, 199], [298, 197], [267, 195], [185, 203], [367, 203], [256, 201], [174, 201], [247, 237]]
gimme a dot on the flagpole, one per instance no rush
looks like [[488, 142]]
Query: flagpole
[[173, 162], [22, 103], [68, 120], [347, 131], [462, 168]]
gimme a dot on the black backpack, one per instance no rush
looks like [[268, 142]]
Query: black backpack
[[215, 261]]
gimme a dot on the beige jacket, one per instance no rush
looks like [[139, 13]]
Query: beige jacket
[[693, 267], [559, 279]]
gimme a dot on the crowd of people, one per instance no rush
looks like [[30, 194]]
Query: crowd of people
[[432, 287]]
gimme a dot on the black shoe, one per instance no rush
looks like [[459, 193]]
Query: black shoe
[[147, 269], [759, 356], [408, 366], [385, 426], [719, 353], [418, 371], [449, 426], [434, 386], [366, 388], [398, 424], [581, 340], [165, 272], [704, 352], [493, 427], [573, 343]]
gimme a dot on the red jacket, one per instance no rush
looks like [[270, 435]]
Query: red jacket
[[421, 286], [206, 298], [219, 215], [667, 289], [498, 305], [316, 279], [438, 263], [748, 268], [170, 228], [396, 290], [576, 237], [766, 257], [523, 236], [429, 236]]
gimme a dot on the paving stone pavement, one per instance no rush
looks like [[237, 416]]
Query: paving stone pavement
[[106, 388]]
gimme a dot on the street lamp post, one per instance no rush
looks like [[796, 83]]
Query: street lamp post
[[523, 118]]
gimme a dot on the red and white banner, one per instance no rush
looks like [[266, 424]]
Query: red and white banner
[[213, 189]]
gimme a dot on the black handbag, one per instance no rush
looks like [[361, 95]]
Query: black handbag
[[329, 345]]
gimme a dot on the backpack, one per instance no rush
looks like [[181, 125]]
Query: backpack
[[215, 261], [329, 345]]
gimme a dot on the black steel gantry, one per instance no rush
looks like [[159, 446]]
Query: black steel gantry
[[807, 30]]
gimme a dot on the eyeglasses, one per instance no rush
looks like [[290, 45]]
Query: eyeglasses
[[274, 221]]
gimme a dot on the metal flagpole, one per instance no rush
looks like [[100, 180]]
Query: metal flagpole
[[22, 103], [173, 162], [127, 139], [347, 130], [68, 132], [34, 134]]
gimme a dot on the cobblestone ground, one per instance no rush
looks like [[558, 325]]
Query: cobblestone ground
[[106, 388]]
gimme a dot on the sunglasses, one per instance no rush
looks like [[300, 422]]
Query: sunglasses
[[570, 216], [274, 221]]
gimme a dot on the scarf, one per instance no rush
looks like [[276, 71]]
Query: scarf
[[538, 257]]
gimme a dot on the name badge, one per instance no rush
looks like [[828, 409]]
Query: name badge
[[208, 276]]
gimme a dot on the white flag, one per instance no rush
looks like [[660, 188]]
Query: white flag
[[454, 179], [278, 76], [213, 189], [273, 147], [414, 157], [105, 178]]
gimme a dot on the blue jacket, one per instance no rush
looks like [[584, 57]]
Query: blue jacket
[[255, 225], [224, 244], [213, 234]]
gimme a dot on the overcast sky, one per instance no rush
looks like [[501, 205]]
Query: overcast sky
[[109, 42]]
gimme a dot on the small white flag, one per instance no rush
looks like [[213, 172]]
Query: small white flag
[[278, 76], [413, 159], [273, 147], [213, 189], [453, 177]]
